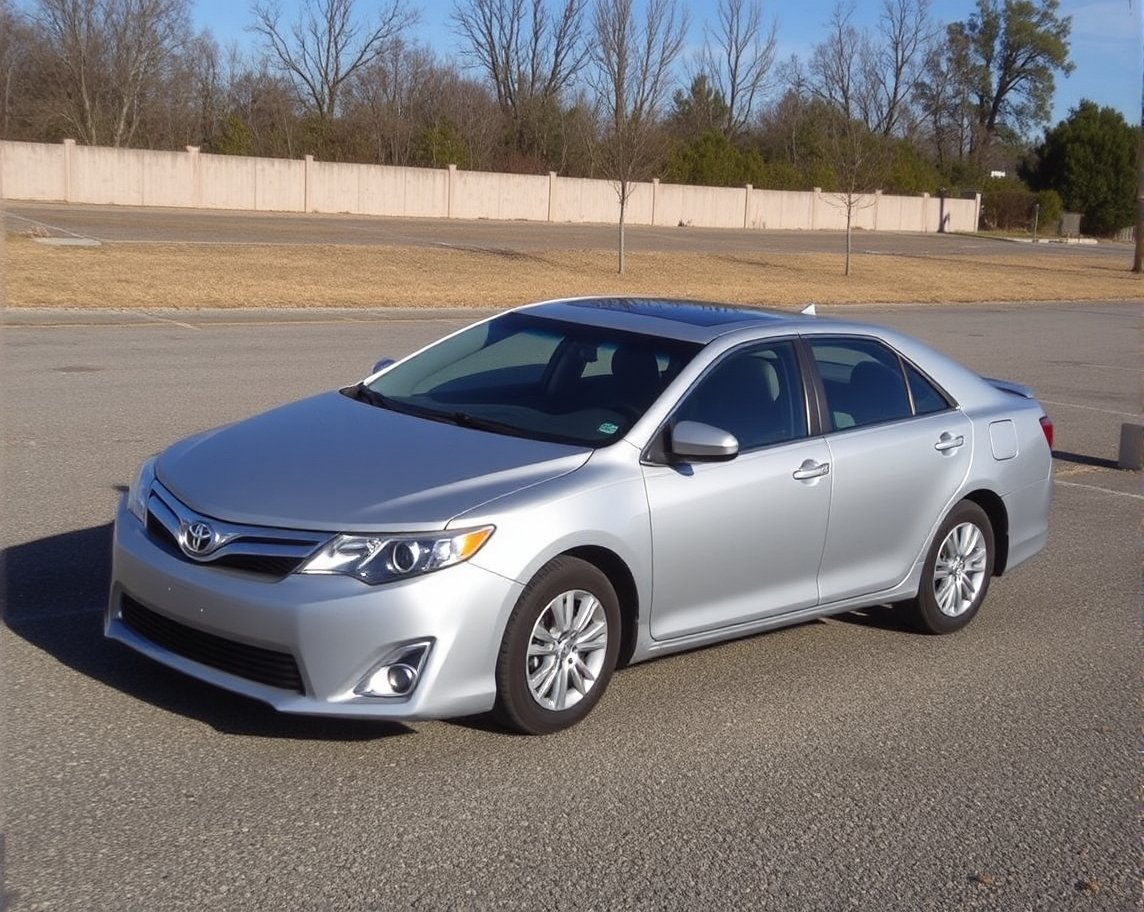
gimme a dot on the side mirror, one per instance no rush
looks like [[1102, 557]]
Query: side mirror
[[702, 442], [380, 363]]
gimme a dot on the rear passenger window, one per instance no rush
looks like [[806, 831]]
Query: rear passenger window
[[863, 381], [927, 397]]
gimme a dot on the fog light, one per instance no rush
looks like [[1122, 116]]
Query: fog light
[[397, 674], [401, 678]]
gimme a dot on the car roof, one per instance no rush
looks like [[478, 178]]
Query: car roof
[[692, 321]]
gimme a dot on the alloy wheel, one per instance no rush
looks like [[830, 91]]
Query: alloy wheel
[[566, 649], [959, 573]]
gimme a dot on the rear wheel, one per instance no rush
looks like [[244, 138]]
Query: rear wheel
[[957, 570], [559, 648]]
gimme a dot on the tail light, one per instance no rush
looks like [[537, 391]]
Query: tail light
[[1047, 427]]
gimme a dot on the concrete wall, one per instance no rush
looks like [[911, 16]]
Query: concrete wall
[[192, 179], [483, 194], [711, 207], [780, 209], [32, 171], [222, 185], [578, 199]]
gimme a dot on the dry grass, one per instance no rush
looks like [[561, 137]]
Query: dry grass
[[186, 276]]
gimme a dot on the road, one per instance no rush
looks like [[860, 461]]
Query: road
[[846, 764], [122, 224]]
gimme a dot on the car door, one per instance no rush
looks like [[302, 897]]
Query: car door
[[899, 451], [738, 540]]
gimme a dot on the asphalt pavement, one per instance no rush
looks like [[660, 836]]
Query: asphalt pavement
[[137, 225], [846, 764]]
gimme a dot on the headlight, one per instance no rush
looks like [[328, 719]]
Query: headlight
[[384, 558], [140, 490]]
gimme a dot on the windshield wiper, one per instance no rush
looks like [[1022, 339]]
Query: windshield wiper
[[464, 419], [363, 393]]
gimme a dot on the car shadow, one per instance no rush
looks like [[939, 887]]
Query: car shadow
[[880, 617], [53, 598], [1081, 459]]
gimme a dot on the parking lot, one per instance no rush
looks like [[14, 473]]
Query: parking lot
[[134, 225], [841, 764]]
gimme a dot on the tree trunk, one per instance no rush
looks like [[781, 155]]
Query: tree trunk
[[623, 207], [849, 216]]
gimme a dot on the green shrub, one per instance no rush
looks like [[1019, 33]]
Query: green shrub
[[1008, 206], [1049, 219]]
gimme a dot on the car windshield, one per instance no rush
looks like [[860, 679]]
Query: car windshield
[[533, 377]]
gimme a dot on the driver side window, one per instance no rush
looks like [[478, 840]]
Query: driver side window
[[754, 393]]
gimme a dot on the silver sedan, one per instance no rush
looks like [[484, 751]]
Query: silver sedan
[[500, 519]]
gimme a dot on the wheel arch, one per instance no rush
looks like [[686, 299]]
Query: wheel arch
[[994, 508], [623, 581]]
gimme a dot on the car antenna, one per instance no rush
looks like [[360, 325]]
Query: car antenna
[[809, 310]]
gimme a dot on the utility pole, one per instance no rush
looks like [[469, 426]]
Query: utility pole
[[1138, 259]]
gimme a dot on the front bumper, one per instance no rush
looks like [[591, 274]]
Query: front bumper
[[337, 629]]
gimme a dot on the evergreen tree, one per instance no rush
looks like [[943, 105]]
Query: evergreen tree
[[1089, 158]]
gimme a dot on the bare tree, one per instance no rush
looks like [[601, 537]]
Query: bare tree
[[189, 108], [942, 97], [470, 108], [737, 58], [835, 68], [111, 54], [871, 74], [326, 44], [15, 45], [632, 62], [261, 111], [858, 158], [389, 98], [417, 111], [530, 51], [904, 32]]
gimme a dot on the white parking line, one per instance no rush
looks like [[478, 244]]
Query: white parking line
[[151, 316], [1090, 408], [47, 227], [1074, 484]]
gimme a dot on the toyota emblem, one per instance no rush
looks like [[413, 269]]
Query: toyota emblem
[[199, 538]]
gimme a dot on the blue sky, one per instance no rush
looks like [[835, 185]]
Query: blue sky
[[1107, 38]]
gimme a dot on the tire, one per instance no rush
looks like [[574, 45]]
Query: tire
[[957, 571], [559, 648]]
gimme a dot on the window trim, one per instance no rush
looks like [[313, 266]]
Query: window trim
[[950, 402]]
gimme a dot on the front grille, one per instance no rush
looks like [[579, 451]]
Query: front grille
[[253, 549], [162, 534], [263, 564], [266, 666]]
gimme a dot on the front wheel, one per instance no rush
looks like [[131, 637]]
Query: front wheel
[[957, 570], [559, 648]]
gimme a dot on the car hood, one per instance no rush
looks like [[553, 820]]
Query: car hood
[[331, 463]]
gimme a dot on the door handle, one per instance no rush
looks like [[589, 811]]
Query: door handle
[[948, 442], [812, 469]]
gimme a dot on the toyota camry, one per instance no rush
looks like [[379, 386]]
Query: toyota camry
[[500, 520]]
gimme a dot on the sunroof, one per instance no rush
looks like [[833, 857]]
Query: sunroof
[[692, 312]]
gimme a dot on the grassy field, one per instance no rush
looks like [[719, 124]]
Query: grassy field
[[192, 276]]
